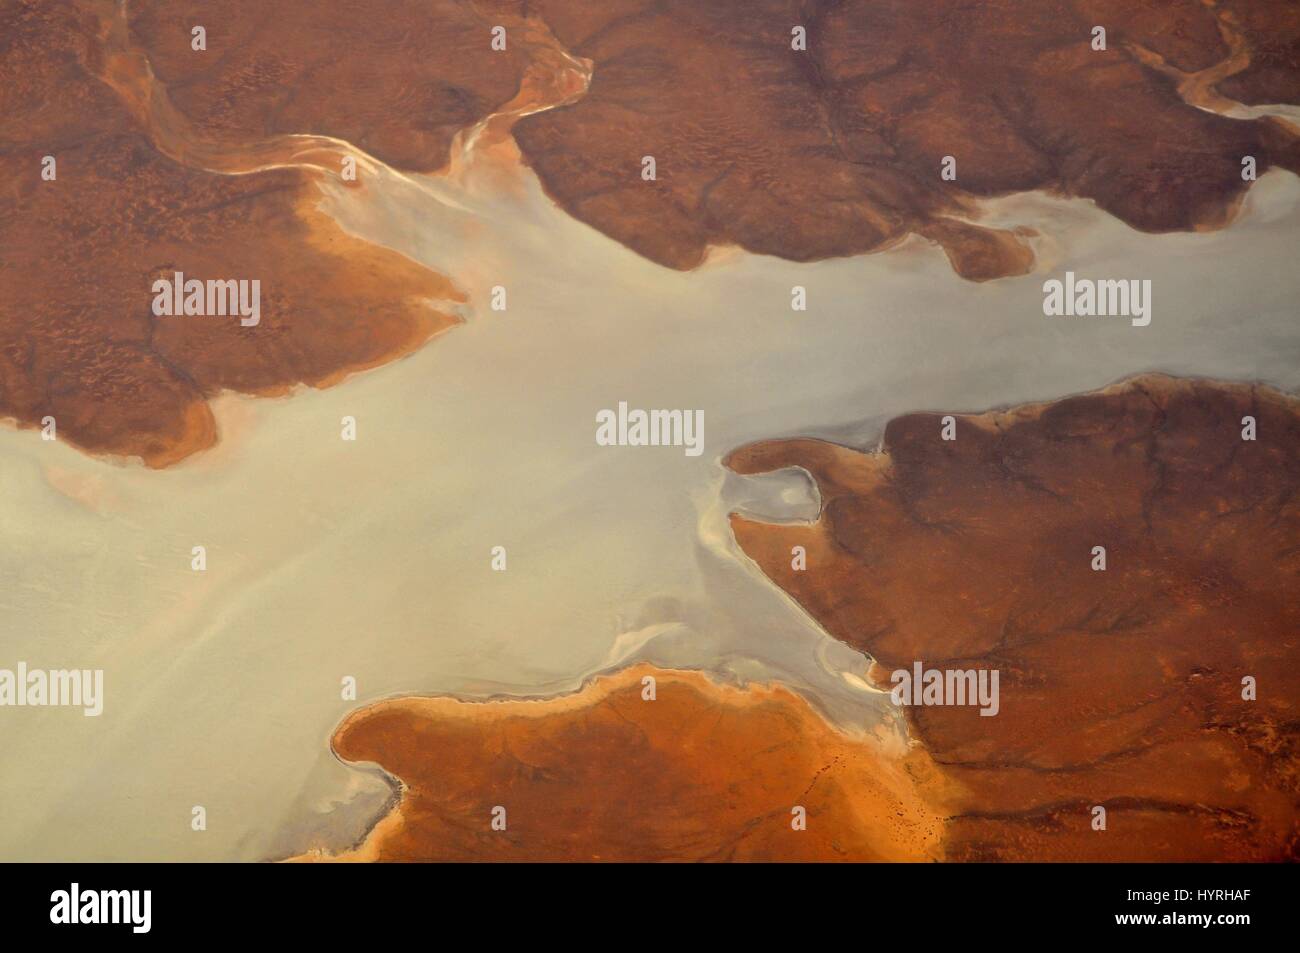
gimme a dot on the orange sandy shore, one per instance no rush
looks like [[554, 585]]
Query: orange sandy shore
[[703, 772]]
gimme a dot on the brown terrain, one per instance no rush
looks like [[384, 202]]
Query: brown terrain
[[702, 772], [163, 155], [1120, 688], [834, 150], [78, 257], [837, 150], [1271, 75]]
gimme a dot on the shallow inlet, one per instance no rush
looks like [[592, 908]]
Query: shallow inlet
[[372, 559]]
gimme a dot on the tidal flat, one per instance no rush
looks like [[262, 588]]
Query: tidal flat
[[372, 558]]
